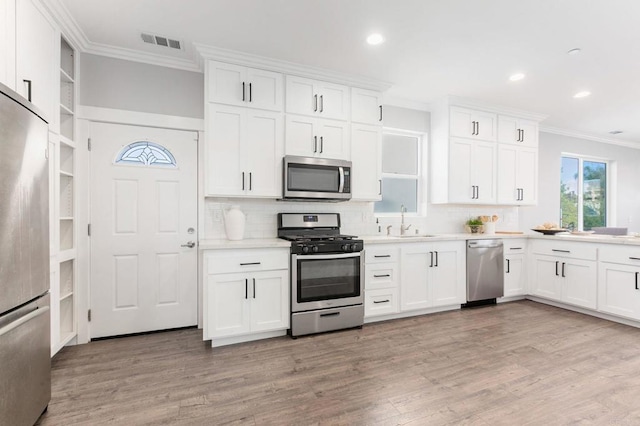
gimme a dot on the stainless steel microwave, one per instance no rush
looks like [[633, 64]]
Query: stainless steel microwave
[[316, 179]]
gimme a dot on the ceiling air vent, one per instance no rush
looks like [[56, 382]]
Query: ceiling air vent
[[161, 41]]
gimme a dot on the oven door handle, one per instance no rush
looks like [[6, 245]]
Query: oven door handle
[[326, 256], [341, 185]]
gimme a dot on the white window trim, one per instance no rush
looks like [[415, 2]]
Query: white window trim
[[611, 186], [422, 172]]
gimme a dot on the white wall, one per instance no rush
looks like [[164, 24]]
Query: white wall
[[626, 174], [115, 83]]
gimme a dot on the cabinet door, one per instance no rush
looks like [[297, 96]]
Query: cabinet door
[[228, 305], [545, 277], [447, 275], [262, 153], [508, 191], [484, 172], [225, 83], [527, 176], [468, 123], [300, 136], [579, 282], [514, 283], [380, 302], [529, 133], [618, 292], [487, 126], [333, 139], [461, 157], [35, 58], [264, 90], [333, 100], [270, 300], [414, 268], [366, 143], [366, 106], [223, 164], [301, 97]]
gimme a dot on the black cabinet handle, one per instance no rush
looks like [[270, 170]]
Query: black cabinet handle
[[557, 268], [563, 269], [508, 266], [477, 192], [250, 92], [380, 186], [436, 265], [331, 314], [321, 144], [380, 113], [431, 262], [473, 128], [243, 99], [28, 89], [382, 255], [382, 276], [522, 138], [315, 103], [637, 281], [634, 258], [477, 128], [254, 288], [243, 181], [246, 288], [249, 263], [561, 251], [321, 103], [381, 301], [315, 144], [250, 181], [515, 248]]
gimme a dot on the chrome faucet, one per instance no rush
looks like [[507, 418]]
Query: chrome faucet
[[403, 228]]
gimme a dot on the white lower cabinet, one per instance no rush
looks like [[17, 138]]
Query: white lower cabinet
[[565, 272], [380, 302], [515, 283], [619, 281], [381, 280], [432, 275], [245, 302]]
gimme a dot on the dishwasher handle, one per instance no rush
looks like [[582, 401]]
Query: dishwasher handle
[[484, 244]]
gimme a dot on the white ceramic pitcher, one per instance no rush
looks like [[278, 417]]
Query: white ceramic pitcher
[[234, 221]]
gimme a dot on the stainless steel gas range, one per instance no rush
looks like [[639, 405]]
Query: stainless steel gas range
[[327, 273]]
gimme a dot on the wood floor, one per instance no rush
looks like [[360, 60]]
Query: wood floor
[[514, 364]]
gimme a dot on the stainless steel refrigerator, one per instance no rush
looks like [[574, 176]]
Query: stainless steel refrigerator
[[25, 342]]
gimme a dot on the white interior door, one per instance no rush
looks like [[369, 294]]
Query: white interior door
[[143, 208]]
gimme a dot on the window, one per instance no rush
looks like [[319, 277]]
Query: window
[[146, 154], [401, 170], [583, 193]]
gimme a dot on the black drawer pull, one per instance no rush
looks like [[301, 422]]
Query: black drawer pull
[[508, 266], [561, 251], [381, 276], [515, 248], [386, 301], [634, 258], [331, 314], [382, 255], [637, 281], [250, 263]]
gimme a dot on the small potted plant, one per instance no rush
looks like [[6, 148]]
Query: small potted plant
[[474, 225]]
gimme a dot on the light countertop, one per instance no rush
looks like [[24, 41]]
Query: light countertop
[[223, 244]]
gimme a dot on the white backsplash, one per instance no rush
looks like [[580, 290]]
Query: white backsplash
[[357, 217]]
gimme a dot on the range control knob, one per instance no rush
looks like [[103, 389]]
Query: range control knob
[[354, 247], [314, 249], [305, 249], [346, 247]]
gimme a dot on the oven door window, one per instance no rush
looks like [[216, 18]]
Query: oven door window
[[306, 177], [324, 279]]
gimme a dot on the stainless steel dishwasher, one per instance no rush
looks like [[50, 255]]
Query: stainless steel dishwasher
[[485, 271]]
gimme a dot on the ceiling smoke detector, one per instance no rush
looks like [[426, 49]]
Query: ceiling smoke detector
[[161, 41]]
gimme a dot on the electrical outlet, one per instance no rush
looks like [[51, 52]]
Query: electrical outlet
[[217, 215]]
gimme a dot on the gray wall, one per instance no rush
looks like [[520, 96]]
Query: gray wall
[[626, 172], [407, 119], [119, 84]]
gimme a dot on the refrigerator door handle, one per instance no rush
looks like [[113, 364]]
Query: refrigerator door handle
[[31, 315]]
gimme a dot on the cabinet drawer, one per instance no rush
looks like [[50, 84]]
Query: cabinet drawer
[[223, 261], [382, 275], [514, 246], [565, 249], [381, 253], [620, 254], [380, 302]]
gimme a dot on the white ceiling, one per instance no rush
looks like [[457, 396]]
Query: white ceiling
[[433, 48]]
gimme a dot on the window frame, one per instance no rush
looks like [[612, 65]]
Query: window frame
[[609, 188], [420, 177]]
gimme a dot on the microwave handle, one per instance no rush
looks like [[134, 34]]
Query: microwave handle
[[341, 185]]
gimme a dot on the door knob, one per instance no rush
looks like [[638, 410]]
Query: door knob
[[190, 244]]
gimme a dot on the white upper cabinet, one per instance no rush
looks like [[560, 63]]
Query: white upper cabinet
[[517, 175], [366, 174], [37, 66], [315, 137], [517, 131], [472, 176], [469, 123], [366, 106], [242, 86], [317, 98]]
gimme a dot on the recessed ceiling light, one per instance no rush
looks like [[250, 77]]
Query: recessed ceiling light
[[615, 132], [582, 94], [574, 51], [516, 77], [375, 38]]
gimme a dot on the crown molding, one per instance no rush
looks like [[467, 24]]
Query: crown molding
[[143, 57], [68, 26], [588, 136], [497, 109], [277, 65]]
